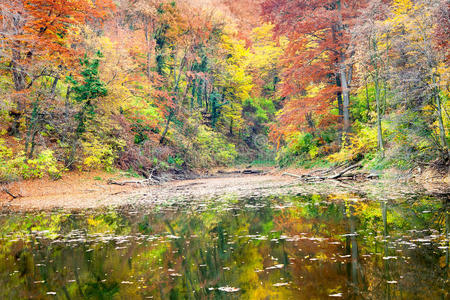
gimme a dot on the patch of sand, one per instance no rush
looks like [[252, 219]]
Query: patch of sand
[[91, 190]]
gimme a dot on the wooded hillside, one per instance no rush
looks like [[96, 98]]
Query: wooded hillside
[[154, 85]]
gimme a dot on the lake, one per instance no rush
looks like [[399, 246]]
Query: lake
[[278, 247]]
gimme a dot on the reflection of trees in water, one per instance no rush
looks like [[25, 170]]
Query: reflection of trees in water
[[329, 252]]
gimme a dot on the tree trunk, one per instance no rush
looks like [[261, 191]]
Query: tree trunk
[[54, 84], [442, 133], [32, 129], [345, 95], [67, 103], [147, 40], [175, 90], [367, 103], [379, 129], [339, 95], [166, 128], [17, 72], [376, 79], [19, 85], [344, 77]]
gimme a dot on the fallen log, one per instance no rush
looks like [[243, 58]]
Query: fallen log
[[323, 172], [249, 171], [11, 194], [148, 181], [345, 171], [228, 172], [339, 175], [373, 175], [246, 171]]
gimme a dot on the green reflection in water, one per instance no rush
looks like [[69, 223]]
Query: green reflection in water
[[296, 247]]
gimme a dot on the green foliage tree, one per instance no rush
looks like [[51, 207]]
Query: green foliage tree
[[87, 91]]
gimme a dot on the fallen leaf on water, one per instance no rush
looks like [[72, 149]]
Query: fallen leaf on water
[[228, 289], [280, 284], [336, 295], [279, 266]]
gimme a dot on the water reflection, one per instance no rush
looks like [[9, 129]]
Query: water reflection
[[297, 247]]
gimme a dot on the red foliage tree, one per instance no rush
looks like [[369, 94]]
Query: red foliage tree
[[319, 36]]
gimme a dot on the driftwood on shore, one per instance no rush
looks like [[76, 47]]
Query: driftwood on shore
[[245, 171], [148, 181], [340, 172]]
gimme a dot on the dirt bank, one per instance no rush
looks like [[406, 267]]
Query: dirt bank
[[91, 190]]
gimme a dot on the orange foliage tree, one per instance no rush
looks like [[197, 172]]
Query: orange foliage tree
[[317, 65], [38, 32]]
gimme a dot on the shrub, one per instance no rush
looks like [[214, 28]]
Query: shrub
[[44, 163], [301, 147], [356, 146], [214, 146], [14, 167], [100, 154]]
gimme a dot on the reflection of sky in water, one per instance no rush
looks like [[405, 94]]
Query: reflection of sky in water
[[282, 248]]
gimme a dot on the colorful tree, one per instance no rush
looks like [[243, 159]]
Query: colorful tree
[[40, 32], [319, 37], [417, 73]]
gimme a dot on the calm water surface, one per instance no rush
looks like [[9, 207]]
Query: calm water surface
[[290, 247]]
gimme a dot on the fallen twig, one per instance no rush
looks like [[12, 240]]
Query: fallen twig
[[345, 171]]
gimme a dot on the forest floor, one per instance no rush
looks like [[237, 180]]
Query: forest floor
[[78, 190]]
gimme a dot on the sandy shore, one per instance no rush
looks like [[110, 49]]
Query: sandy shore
[[91, 190]]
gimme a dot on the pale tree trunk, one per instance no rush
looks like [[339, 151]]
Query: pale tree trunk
[[175, 90], [147, 40], [345, 96], [379, 129], [367, 103], [374, 62], [442, 133], [345, 78]]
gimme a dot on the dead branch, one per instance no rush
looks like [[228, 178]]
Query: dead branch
[[249, 171], [345, 171], [11, 194], [342, 174]]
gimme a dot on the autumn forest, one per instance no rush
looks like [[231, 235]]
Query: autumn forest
[[145, 85], [224, 149]]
